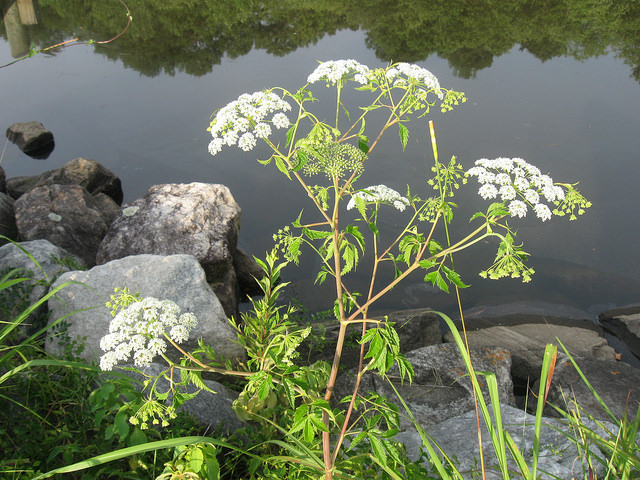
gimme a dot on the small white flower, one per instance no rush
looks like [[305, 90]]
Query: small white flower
[[507, 192], [542, 212], [189, 320], [232, 122], [521, 183], [532, 196], [503, 179], [157, 346], [247, 142], [109, 341], [108, 361], [262, 130], [215, 146], [142, 358], [230, 137], [517, 208], [280, 120], [179, 333], [488, 191]]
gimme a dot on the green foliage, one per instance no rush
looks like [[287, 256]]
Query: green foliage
[[191, 37]]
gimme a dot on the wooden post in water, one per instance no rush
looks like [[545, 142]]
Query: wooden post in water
[[27, 12], [17, 34]]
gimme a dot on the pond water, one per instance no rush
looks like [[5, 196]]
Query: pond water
[[145, 120]]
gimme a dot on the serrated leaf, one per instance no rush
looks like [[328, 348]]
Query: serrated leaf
[[374, 228], [265, 387], [436, 279], [454, 277], [378, 449], [302, 160], [282, 167], [434, 247], [315, 234], [289, 391], [321, 277], [355, 232], [404, 135]]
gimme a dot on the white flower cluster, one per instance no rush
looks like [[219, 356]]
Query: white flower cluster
[[336, 70], [404, 73], [139, 330], [379, 194], [511, 178], [245, 120]]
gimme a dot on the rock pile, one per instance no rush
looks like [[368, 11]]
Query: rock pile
[[180, 242]]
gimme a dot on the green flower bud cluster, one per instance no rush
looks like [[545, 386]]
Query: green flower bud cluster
[[573, 203], [334, 160]]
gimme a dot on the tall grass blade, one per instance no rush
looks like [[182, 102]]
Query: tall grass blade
[[138, 449]]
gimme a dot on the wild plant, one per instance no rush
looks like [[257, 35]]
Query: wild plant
[[302, 430]]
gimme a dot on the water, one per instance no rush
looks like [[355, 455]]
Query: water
[[577, 120]]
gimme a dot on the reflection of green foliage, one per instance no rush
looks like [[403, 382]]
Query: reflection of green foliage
[[191, 36]]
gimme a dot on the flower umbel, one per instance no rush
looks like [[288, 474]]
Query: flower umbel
[[246, 119], [139, 330], [335, 71], [379, 194], [510, 178]]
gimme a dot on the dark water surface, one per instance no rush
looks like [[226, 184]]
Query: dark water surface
[[577, 120]]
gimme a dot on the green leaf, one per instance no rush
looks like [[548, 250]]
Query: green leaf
[[454, 277], [282, 167], [121, 424], [363, 143], [436, 279], [290, 134], [302, 160], [315, 234], [374, 228], [265, 387], [355, 232], [404, 135], [289, 391], [378, 449], [196, 459]]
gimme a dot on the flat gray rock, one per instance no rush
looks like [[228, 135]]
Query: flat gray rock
[[527, 342], [624, 323], [458, 438]]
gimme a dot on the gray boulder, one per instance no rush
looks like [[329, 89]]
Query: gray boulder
[[527, 342], [416, 328], [176, 277], [616, 383], [79, 171], [440, 388], [525, 329], [197, 219], [247, 270], [52, 260], [457, 437], [624, 323], [32, 138], [66, 215], [8, 226]]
